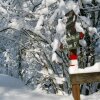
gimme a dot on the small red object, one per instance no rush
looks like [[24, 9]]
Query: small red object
[[81, 35], [73, 57], [73, 54]]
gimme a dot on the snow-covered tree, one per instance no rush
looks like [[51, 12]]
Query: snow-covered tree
[[33, 43]]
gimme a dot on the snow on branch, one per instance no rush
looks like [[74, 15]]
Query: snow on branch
[[35, 36]]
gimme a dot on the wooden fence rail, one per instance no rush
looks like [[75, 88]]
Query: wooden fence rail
[[81, 78]]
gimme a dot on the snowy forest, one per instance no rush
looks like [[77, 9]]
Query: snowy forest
[[34, 41]]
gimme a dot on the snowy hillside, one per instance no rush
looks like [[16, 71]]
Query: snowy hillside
[[14, 89]]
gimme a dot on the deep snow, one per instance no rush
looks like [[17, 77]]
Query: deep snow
[[13, 89]]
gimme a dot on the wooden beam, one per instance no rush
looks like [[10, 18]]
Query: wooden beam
[[85, 78]]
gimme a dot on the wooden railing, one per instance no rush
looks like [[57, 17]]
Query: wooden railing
[[81, 78]]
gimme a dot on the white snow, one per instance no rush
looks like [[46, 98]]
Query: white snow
[[43, 11], [85, 21], [48, 2], [3, 10], [82, 42], [62, 8], [87, 1], [13, 89], [55, 44], [39, 23], [74, 62], [16, 24], [98, 1], [71, 5], [92, 30], [78, 27], [56, 58], [60, 28], [95, 68], [60, 80], [73, 66], [52, 18]]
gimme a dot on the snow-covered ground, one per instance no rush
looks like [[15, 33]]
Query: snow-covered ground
[[13, 89]]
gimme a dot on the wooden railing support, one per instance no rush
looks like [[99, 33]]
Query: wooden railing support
[[76, 91]]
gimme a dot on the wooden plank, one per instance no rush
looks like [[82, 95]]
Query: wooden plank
[[85, 78], [76, 91]]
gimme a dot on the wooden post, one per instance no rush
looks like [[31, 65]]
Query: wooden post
[[81, 78], [76, 91]]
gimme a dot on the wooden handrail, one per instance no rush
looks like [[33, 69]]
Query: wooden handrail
[[81, 78]]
